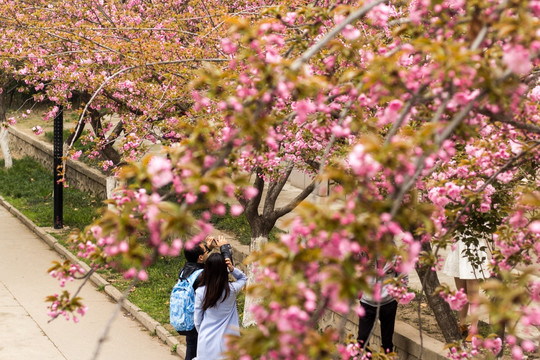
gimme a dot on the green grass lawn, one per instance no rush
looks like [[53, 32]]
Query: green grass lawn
[[28, 186]]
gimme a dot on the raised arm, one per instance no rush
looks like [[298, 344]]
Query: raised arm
[[241, 279]]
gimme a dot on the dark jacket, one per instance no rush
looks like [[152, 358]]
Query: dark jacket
[[188, 269]]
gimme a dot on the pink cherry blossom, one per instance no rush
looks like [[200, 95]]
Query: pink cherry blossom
[[535, 226], [237, 210], [362, 163], [76, 155], [457, 300], [528, 345], [130, 273], [535, 92], [160, 168], [250, 192], [350, 33], [517, 353], [517, 60], [380, 14], [228, 46], [38, 130], [142, 275]]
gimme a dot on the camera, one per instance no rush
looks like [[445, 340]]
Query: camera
[[226, 251]]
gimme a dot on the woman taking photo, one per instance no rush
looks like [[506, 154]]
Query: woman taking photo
[[215, 306]]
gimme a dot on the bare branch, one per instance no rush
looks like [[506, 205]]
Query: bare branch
[[275, 188], [479, 38], [296, 201], [100, 8], [506, 119], [209, 15]]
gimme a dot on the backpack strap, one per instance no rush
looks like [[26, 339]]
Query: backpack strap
[[191, 279]]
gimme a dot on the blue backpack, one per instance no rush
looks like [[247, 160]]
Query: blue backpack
[[182, 303]]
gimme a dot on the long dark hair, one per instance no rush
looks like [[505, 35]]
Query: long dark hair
[[216, 280]]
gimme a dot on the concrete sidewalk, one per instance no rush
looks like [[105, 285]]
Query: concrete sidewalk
[[24, 329]]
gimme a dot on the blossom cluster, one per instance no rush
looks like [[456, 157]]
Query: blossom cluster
[[456, 300], [66, 272]]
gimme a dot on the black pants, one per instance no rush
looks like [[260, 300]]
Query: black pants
[[387, 318], [191, 344]]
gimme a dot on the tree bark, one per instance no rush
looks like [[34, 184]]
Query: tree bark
[[262, 224], [443, 314], [256, 245], [4, 142], [108, 152]]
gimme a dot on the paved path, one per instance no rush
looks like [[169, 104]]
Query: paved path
[[24, 329]]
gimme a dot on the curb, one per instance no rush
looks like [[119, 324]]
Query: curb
[[143, 318]]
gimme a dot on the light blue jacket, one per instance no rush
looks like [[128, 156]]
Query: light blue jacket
[[216, 322]]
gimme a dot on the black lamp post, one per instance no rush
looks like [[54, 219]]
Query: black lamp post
[[58, 169]]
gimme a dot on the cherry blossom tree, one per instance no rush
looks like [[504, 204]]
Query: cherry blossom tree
[[423, 113], [102, 78]]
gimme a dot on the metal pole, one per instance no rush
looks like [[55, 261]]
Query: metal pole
[[58, 169]]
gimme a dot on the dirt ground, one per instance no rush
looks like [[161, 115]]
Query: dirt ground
[[409, 315]]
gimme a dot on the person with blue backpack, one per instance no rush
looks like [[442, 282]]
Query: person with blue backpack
[[182, 300]]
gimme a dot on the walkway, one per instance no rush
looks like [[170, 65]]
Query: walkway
[[24, 329]]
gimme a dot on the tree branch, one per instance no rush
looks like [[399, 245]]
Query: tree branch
[[333, 33], [403, 115], [296, 201], [86, 278], [103, 336], [252, 205], [420, 161], [274, 189], [506, 119]]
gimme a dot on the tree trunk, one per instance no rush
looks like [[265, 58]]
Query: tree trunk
[[443, 314], [256, 245], [4, 143], [110, 153], [111, 185], [262, 224]]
